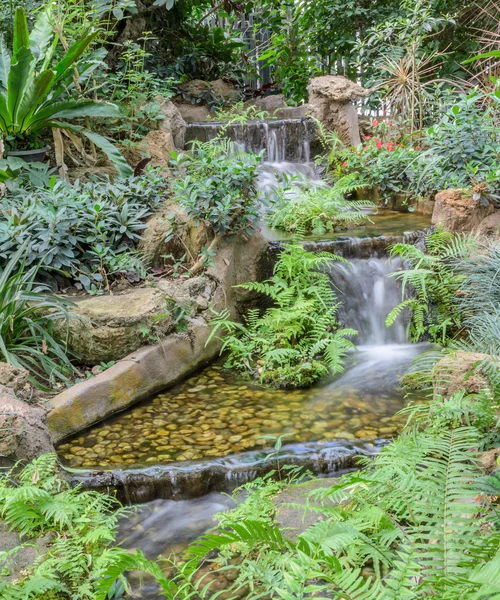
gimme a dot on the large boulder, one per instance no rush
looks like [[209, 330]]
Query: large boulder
[[277, 108], [457, 212], [172, 122], [331, 102], [106, 328], [23, 429], [460, 371], [196, 96], [490, 225], [157, 146], [224, 90], [193, 113], [188, 238]]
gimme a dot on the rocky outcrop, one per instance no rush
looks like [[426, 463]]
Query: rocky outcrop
[[23, 429], [157, 146], [277, 108], [14, 378], [490, 226], [172, 122], [460, 371], [331, 102], [150, 369], [106, 328], [196, 97], [188, 238], [457, 212]]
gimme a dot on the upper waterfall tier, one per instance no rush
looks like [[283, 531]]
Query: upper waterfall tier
[[289, 140]]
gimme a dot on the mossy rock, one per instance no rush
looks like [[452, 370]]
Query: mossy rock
[[419, 380], [299, 376]]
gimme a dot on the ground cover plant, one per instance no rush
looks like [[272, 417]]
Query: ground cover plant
[[298, 339], [86, 232]]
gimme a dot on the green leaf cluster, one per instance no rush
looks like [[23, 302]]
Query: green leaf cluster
[[298, 339]]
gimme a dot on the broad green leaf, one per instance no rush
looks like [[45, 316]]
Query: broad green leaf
[[40, 35], [21, 72], [71, 109], [74, 53], [4, 62], [35, 94], [101, 142], [21, 31], [5, 117]]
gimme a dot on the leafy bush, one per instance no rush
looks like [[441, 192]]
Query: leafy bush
[[27, 315], [82, 525], [298, 340], [85, 231], [218, 186], [434, 282], [384, 160], [318, 210]]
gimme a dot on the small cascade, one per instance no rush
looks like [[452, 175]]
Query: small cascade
[[285, 140], [368, 293]]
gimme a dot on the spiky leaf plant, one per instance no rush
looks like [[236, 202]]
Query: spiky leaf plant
[[27, 315], [319, 209], [298, 339]]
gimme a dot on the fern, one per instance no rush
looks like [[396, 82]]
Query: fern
[[296, 340]]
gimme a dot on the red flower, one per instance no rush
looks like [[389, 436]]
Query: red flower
[[379, 145], [375, 123], [344, 165], [390, 123], [390, 146], [368, 137], [365, 148], [418, 148]]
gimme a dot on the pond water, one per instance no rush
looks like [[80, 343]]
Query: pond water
[[217, 413]]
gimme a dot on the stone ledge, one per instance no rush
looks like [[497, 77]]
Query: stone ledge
[[139, 375]]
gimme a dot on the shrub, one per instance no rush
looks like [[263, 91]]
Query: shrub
[[217, 185], [319, 209], [384, 160], [462, 149], [82, 525], [27, 314], [298, 340], [86, 231]]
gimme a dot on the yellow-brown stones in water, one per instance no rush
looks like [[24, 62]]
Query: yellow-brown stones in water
[[218, 413]]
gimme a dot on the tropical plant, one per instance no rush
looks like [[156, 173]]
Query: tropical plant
[[298, 339], [86, 231], [34, 97], [27, 315], [318, 209], [430, 285], [81, 526]]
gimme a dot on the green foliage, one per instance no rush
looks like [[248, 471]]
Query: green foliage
[[319, 209], [216, 184], [27, 316], [81, 526], [462, 148], [432, 284], [86, 231], [298, 339], [34, 97]]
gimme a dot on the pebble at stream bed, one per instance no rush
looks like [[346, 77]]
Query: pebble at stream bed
[[217, 413]]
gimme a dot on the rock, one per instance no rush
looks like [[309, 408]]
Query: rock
[[14, 378], [293, 112], [158, 146], [455, 211], [459, 371], [225, 90], [193, 113], [490, 225], [270, 103], [172, 123], [331, 102], [196, 89], [190, 239], [489, 460], [105, 328], [29, 551], [24, 433], [193, 295]]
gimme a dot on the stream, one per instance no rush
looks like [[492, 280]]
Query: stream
[[179, 450]]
